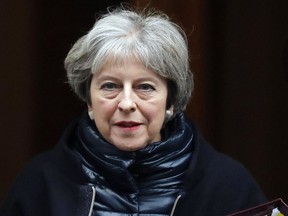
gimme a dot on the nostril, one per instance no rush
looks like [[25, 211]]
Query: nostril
[[133, 108]]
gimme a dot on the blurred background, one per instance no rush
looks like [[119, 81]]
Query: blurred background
[[239, 55]]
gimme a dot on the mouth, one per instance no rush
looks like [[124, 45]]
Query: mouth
[[130, 125]]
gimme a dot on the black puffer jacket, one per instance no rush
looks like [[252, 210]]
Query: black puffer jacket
[[84, 175]]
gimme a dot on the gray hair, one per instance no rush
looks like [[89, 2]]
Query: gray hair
[[160, 44]]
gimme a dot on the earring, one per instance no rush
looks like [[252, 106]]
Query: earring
[[168, 114], [90, 113]]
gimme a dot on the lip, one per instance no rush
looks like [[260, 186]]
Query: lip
[[128, 125]]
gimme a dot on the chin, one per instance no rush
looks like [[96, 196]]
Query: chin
[[130, 148]]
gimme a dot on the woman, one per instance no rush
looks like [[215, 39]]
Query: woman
[[133, 152]]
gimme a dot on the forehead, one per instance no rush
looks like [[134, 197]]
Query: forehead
[[121, 60], [130, 69], [116, 64]]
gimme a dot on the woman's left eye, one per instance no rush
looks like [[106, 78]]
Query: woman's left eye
[[146, 87]]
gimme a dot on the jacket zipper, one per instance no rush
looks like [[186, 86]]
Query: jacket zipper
[[92, 201], [175, 204], [94, 194]]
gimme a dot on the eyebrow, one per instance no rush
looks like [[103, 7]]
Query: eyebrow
[[102, 77]]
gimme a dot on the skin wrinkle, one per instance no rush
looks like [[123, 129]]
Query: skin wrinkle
[[128, 102]]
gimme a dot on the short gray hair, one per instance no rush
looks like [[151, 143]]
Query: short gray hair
[[151, 37]]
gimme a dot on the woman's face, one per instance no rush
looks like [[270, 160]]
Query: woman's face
[[128, 102]]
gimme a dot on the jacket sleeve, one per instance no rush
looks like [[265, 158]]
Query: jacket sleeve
[[223, 186], [237, 189], [25, 197], [44, 188]]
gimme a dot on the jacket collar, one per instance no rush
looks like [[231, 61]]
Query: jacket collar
[[160, 160]]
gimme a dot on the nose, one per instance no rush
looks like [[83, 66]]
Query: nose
[[127, 103]]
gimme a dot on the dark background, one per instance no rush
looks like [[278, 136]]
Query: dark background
[[239, 54]]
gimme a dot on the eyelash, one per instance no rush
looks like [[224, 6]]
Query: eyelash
[[110, 86], [146, 87]]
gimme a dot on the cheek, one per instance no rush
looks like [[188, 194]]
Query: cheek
[[102, 108], [101, 103], [102, 116], [156, 113]]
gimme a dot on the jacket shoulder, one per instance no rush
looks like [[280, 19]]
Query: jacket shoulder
[[217, 184], [48, 180]]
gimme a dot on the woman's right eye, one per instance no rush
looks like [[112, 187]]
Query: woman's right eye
[[109, 86]]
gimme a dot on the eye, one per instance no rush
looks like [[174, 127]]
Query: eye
[[146, 87], [109, 86]]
